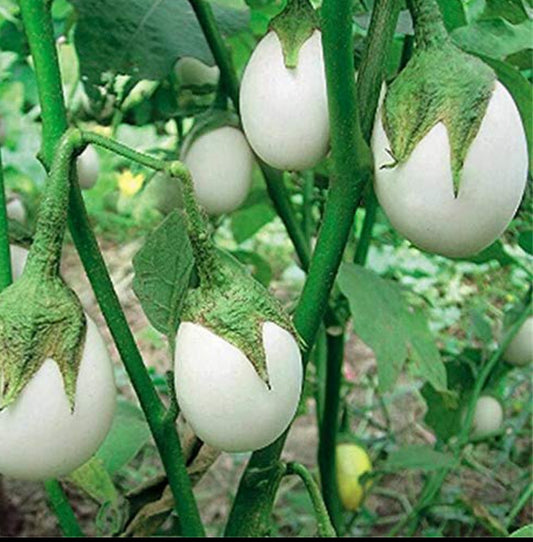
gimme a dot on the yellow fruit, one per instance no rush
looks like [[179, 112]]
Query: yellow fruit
[[352, 462]]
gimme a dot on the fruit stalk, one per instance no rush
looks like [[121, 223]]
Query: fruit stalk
[[429, 25], [351, 157], [325, 528], [5, 256], [274, 180], [38, 26]]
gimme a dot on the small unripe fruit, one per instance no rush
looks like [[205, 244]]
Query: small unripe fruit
[[520, 349], [16, 210], [221, 165], [223, 398], [488, 416], [285, 111], [352, 462], [192, 72], [88, 166]]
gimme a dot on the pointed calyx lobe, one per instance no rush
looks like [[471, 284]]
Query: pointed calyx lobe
[[40, 317], [439, 84], [294, 26], [235, 306]]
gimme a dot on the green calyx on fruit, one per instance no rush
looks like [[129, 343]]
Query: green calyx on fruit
[[439, 84], [294, 26], [228, 301], [40, 317], [234, 306]]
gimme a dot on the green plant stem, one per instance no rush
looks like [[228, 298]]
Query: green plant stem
[[330, 425], [251, 510], [363, 243], [65, 515], [325, 528], [282, 204], [429, 25], [273, 178], [228, 75], [434, 483], [524, 498], [45, 252], [307, 206], [38, 26], [320, 361], [6, 276]]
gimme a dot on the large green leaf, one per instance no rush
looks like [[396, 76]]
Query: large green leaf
[[128, 434], [494, 38], [394, 331], [445, 408], [524, 532], [95, 480], [417, 457], [162, 273], [515, 11], [249, 220], [144, 38]]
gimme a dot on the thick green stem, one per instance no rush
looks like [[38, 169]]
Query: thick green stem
[[5, 255], [39, 31], [351, 169], [307, 206], [330, 425], [65, 515], [325, 528], [429, 25]]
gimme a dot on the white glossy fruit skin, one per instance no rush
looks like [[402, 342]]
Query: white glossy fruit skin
[[488, 416], [520, 349], [88, 165], [39, 436], [222, 397], [19, 256], [285, 111], [418, 197], [193, 72], [221, 164], [16, 211]]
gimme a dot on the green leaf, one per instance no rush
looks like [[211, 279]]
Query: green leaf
[[128, 434], [259, 267], [512, 10], [384, 321], [93, 478], [495, 38], [162, 273], [445, 409], [248, 221], [453, 13], [524, 532], [143, 38], [525, 240], [417, 457]]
